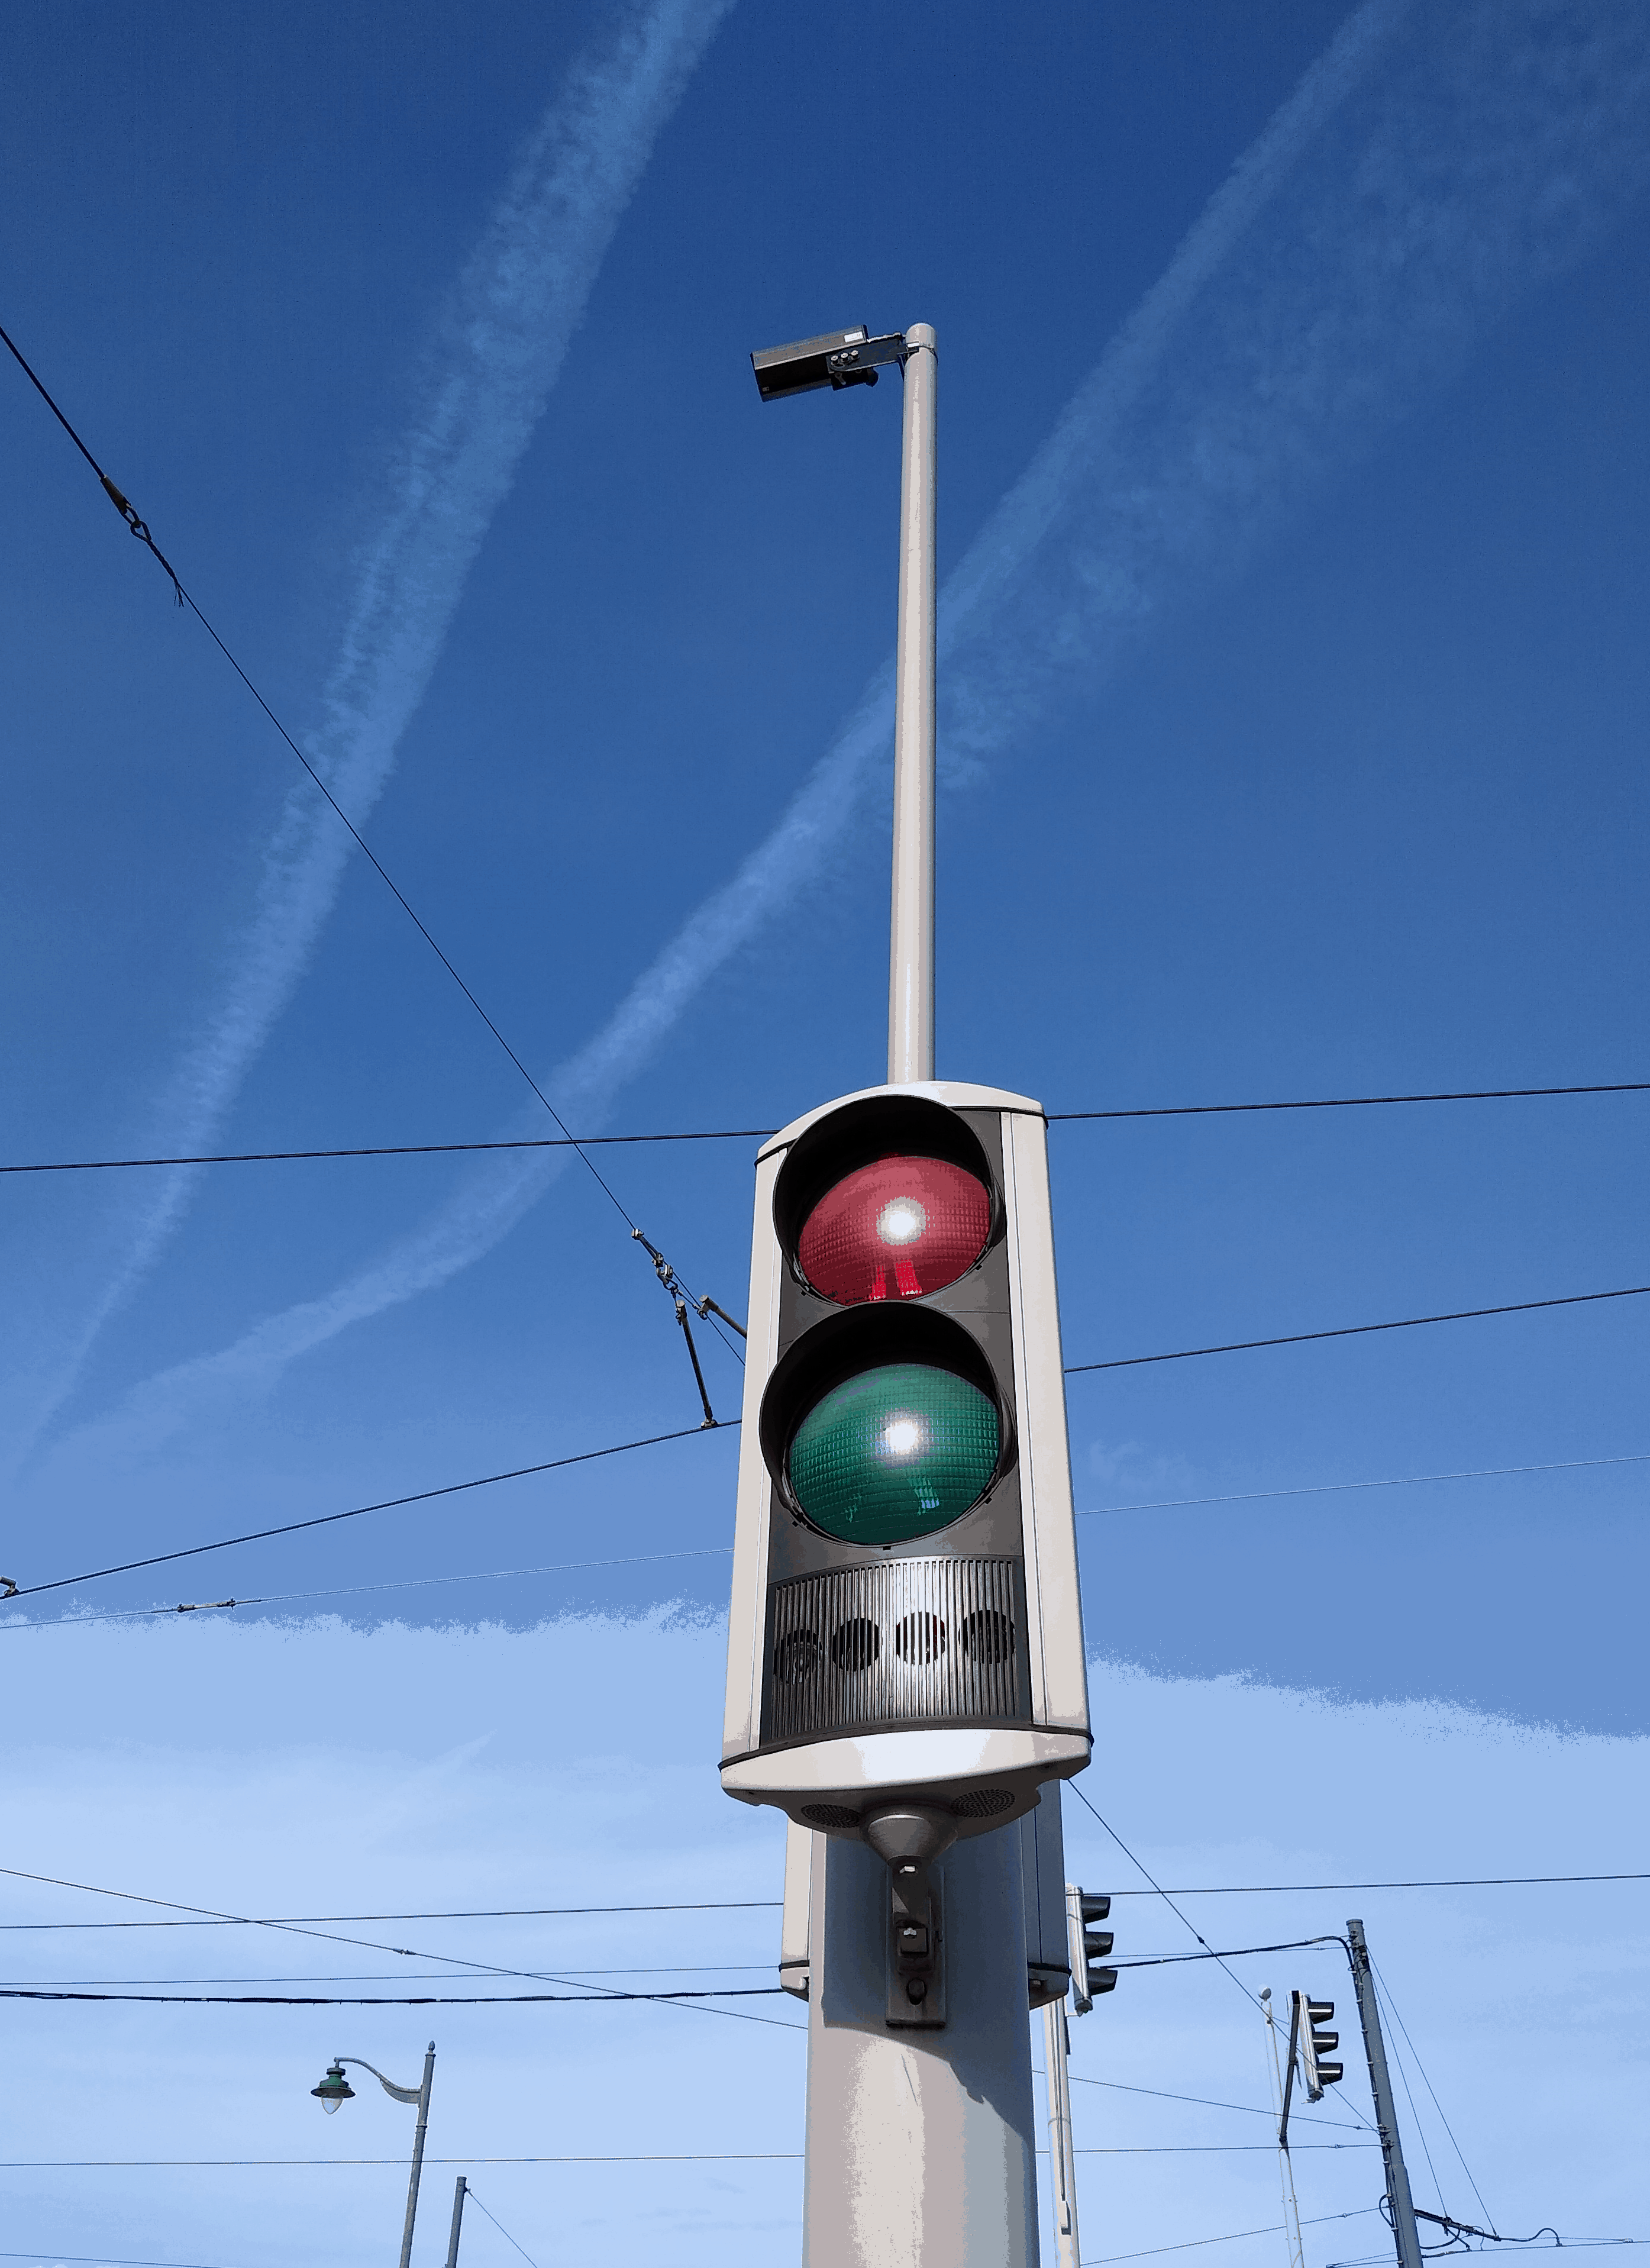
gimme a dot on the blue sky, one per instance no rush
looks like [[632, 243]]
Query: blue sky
[[1292, 535]]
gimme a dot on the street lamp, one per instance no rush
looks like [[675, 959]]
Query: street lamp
[[335, 2089]]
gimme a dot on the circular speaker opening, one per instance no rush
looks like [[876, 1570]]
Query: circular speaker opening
[[983, 1803], [919, 1638], [797, 1655], [856, 1644]]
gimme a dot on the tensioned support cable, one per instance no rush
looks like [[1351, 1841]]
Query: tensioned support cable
[[763, 1133], [184, 598], [12, 1590]]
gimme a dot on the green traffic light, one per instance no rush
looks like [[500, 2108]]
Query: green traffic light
[[894, 1454]]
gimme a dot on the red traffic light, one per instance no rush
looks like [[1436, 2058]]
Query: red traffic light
[[894, 1229]]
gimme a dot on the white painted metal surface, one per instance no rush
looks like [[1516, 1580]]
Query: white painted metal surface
[[921, 2146], [1057, 2048], [911, 935]]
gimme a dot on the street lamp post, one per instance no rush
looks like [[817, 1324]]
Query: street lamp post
[[335, 2089]]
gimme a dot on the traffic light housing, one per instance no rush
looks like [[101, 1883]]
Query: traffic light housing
[[1316, 2045], [1090, 1947], [905, 1657]]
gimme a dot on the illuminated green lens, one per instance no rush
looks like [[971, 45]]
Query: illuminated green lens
[[894, 1453]]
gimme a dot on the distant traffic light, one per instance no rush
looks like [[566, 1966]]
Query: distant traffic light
[[1090, 1947], [905, 1658], [1315, 2044]]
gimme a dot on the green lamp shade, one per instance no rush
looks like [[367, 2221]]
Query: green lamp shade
[[894, 1454]]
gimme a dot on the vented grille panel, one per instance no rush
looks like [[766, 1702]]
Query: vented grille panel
[[904, 1641]]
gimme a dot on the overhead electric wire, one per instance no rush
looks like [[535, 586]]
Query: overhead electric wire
[[1353, 1102], [1336, 1488], [407, 1952], [1439, 1883], [1231, 2237], [1359, 1330], [1203, 2101], [185, 599], [357, 1590], [763, 1133], [1160, 1891], [606, 1997], [356, 1512], [458, 1913], [585, 1456]]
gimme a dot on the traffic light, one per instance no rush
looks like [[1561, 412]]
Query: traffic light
[[1089, 1947], [1315, 2044], [905, 1657]]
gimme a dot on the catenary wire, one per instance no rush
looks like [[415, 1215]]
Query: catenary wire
[[357, 1590], [1160, 1891], [722, 1550], [356, 1512], [1336, 1488], [186, 599], [772, 1905], [98, 2259], [606, 1997], [461, 1913], [141, 531], [763, 1133], [411, 1953], [1359, 1330], [1231, 2237], [520, 1472], [1203, 2101]]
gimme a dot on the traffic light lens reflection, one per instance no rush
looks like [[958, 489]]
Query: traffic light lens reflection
[[893, 1230], [894, 1454]]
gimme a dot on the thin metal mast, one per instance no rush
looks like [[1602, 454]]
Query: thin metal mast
[[1285, 2166], [1404, 2226], [459, 2189], [911, 937], [1062, 2162]]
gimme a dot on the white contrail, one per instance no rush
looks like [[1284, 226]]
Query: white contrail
[[497, 348], [1493, 152]]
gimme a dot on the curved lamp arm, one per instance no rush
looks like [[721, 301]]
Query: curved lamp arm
[[401, 2094]]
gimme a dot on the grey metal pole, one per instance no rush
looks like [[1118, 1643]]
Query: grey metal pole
[[458, 2190], [1386, 2112], [921, 2146], [417, 2156], [911, 939], [1062, 2161]]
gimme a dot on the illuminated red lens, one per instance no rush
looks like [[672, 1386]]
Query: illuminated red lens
[[895, 1230]]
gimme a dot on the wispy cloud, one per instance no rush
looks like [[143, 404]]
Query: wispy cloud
[[496, 348], [1404, 212]]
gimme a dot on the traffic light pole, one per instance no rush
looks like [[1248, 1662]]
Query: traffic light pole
[[912, 934], [1062, 2164], [921, 2144], [1386, 2112]]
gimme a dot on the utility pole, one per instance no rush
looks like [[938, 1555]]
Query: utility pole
[[459, 2188], [905, 1657], [1403, 2227]]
